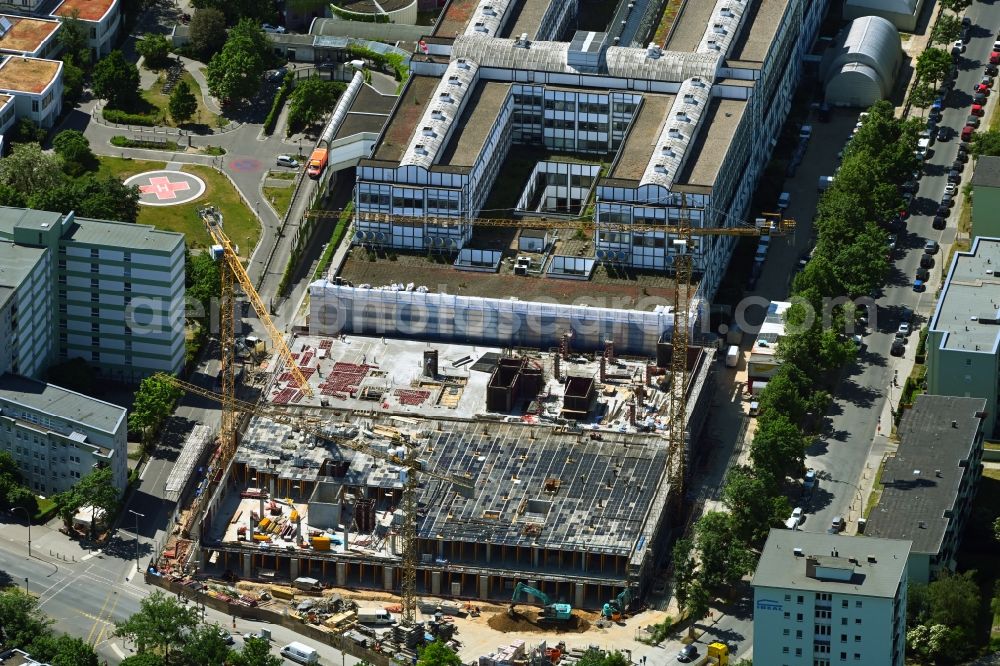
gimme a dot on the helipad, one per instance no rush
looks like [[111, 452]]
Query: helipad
[[167, 188]]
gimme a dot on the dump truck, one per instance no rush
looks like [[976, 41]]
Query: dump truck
[[317, 162], [717, 655]]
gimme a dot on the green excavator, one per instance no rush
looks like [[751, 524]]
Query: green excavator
[[551, 612]]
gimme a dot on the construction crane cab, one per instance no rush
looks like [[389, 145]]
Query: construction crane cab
[[614, 609], [551, 612]]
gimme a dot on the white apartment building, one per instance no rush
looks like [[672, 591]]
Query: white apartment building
[[36, 86], [58, 436], [102, 19], [827, 599], [26, 310]]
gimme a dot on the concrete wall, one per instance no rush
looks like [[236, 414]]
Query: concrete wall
[[985, 203]]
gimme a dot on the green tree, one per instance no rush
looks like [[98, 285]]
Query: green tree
[[73, 37], [954, 600], [154, 401], [754, 503], [957, 6], [922, 95], [116, 80], [97, 490], [20, 620], [28, 169], [255, 652], [94, 196], [202, 279], [63, 650], [74, 148], [161, 622], [986, 143], [183, 103], [699, 605], [208, 31], [438, 654], [27, 131], [72, 81], [311, 100], [155, 48], [937, 643], [684, 575], [947, 29], [594, 657], [143, 659], [724, 559], [778, 448], [934, 64], [11, 197], [236, 72], [205, 645]]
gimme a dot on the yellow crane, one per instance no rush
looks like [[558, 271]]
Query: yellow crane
[[413, 466], [231, 270], [768, 224]]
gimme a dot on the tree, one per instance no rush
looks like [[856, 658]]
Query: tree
[[183, 103], [116, 80], [72, 81], [934, 64], [986, 143], [74, 39], [256, 652], [594, 657], [11, 197], [256, 10], [106, 198], [208, 31], [234, 74], [20, 620], [311, 100], [778, 448], [97, 490], [699, 605], [155, 48], [724, 559], [63, 650], [143, 659], [922, 95], [754, 503], [74, 148], [161, 622], [954, 600], [28, 169], [684, 564], [957, 6], [27, 131], [947, 29], [154, 401], [205, 645], [202, 279], [937, 643]]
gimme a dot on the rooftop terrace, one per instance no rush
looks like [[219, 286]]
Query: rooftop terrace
[[30, 75], [759, 30], [454, 21], [968, 308]]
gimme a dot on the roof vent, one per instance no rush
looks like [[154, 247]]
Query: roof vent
[[481, 27], [718, 28], [437, 114], [660, 168], [871, 559], [712, 44], [420, 149], [463, 63], [937, 473], [427, 131], [921, 524], [954, 424], [690, 99], [674, 133], [489, 11], [696, 80], [834, 553], [454, 80], [668, 151], [973, 318], [916, 472], [682, 117], [653, 51], [522, 42], [797, 552], [446, 97], [726, 11]]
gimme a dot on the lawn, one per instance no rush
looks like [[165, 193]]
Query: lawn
[[241, 226], [280, 198], [46, 508], [156, 97]]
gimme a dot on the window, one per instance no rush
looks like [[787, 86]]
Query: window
[[784, 650], [857, 656], [34, 105], [843, 656], [857, 620], [857, 639], [843, 620], [788, 615], [798, 652], [857, 604], [798, 617], [800, 599], [843, 604], [798, 633], [843, 638], [784, 632], [824, 596], [788, 597]]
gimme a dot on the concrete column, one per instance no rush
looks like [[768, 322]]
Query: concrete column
[[484, 587], [535, 552], [436, 582], [489, 553], [387, 578], [248, 566], [293, 568], [341, 574], [441, 549], [579, 590]]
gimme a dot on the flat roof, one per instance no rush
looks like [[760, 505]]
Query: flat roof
[[61, 403], [455, 18], [16, 263], [27, 34], [373, 7], [355, 123], [759, 29], [712, 143], [780, 567], [86, 10], [987, 171], [966, 311], [477, 121], [641, 141], [403, 122], [32, 75], [526, 17], [921, 482], [123, 235], [690, 26]]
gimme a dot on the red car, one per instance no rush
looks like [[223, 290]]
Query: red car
[[995, 58], [977, 109], [982, 88]]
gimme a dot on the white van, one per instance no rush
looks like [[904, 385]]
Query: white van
[[300, 654], [374, 616]]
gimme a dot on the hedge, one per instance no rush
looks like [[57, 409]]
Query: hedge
[[363, 18], [278, 103], [126, 118], [343, 222], [125, 142], [383, 60]]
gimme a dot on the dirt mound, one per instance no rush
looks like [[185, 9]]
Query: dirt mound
[[528, 621]]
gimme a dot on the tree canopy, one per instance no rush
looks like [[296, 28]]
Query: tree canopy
[[155, 49], [934, 64], [116, 80], [20, 620], [236, 72], [62, 650], [154, 402], [311, 100], [183, 103], [208, 31], [28, 169], [205, 645], [439, 654], [255, 652], [74, 148], [594, 657], [161, 622], [947, 29]]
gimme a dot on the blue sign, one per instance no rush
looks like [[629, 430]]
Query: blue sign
[[768, 605]]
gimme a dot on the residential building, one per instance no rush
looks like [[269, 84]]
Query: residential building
[[36, 86], [963, 355], [31, 37], [102, 19], [26, 310], [986, 197], [117, 289], [929, 483], [823, 599], [58, 436]]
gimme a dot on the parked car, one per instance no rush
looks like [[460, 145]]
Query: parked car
[[923, 274], [977, 109], [967, 132], [962, 157], [287, 161], [950, 189], [979, 98], [931, 247], [987, 80], [958, 48], [927, 260], [687, 653], [947, 200], [992, 69], [939, 222], [954, 176], [995, 58], [943, 211], [809, 482], [898, 348], [981, 88], [904, 329], [795, 519], [972, 120], [837, 525], [945, 133], [277, 29], [892, 242]]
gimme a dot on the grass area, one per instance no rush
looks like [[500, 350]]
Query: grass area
[[876, 493], [670, 12], [280, 198], [46, 508], [241, 225], [282, 175], [157, 98]]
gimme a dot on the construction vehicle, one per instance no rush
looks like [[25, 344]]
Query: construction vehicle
[[317, 162], [551, 612], [614, 609], [717, 655], [415, 468]]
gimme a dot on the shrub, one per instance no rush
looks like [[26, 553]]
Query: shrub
[[278, 103], [125, 118], [125, 142], [343, 222]]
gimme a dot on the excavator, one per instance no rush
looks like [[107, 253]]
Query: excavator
[[614, 609], [551, 612]]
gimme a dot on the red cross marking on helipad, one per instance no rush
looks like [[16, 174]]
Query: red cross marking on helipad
[[164, 188]]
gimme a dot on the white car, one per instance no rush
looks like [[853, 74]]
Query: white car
[[277, 29], [904, 329], [950, 189], [794, 520]]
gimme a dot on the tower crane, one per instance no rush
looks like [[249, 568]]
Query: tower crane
[[413, 466], [768, 224]]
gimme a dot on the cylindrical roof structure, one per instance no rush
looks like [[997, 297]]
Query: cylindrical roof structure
[[866, 53]]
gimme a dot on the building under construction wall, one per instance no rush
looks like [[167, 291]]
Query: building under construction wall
[[577, 506]]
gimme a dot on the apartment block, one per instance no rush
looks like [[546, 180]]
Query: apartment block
[[35, 85], [102, 19], [58, 436], [117, 290], [26, 310], [963, 355], [26, 36], [823, 599], [929, 483]]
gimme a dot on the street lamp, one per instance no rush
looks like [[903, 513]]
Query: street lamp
[[137, 517], [27, 517]]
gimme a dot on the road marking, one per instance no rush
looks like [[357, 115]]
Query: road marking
[[93, 554], [117, 650], [100, 614], [102, 635]]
